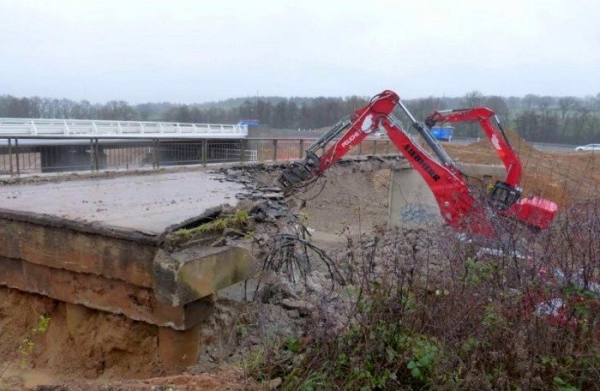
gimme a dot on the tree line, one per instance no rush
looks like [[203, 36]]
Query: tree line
[[568, 119]]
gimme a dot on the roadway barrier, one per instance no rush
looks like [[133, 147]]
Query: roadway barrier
[[29, 155], [84, 127]]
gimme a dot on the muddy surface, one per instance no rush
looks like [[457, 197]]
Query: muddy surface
[[150, 203]]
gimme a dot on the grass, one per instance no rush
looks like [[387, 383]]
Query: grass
[[238, 224]]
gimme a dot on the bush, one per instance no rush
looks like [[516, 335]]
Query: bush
[[425, 313]]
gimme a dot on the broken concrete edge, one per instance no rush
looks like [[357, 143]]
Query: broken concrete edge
[[208, 215], [274, 165], [98, 228], [191, 274], [95, 228], [213, 229]]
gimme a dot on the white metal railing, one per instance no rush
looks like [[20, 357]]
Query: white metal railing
[[81, 127]]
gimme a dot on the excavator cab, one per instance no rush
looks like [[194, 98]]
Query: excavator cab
[[503, 196]]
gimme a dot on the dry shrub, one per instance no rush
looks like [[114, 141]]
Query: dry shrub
[[433, 310]]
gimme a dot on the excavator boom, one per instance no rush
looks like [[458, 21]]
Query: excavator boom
[[459, 207], [495, 134]]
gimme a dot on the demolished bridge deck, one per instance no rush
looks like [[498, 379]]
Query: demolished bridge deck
[[149, 204], [98, 242]]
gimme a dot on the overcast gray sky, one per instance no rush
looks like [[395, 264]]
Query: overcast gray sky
[[198, 51]]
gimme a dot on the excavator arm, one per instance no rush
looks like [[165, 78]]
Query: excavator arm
[[353, 129], [495, 134], [458, 205]]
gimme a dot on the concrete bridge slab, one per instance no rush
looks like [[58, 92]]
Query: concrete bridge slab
[[100, 243], [149, 204]]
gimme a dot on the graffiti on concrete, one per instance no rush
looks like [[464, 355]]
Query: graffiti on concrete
[[420, 214]]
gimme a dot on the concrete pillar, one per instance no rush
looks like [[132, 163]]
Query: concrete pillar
[[178, 349], [60, 158], [411, 201]]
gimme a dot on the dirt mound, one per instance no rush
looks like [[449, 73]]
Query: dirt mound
[[101, 346], [96, 354]]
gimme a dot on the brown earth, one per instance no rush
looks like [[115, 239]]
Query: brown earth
[[564, 177], [109, 352]]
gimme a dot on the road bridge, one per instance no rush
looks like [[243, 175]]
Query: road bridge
[[78, 128], [76, 144]]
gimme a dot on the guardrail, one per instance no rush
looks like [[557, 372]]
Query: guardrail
[[27, 155], [78, 127], [20, 156], [554, 147]]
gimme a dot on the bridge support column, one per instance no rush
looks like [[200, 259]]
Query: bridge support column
[[60, 158], [411, 202], [178, 349]]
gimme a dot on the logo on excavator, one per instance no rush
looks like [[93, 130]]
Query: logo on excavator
[[352, 137], [421, 162], [496, 142]]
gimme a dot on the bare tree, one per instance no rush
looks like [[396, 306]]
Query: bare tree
[[544, 103], [530, 101], [473, 98], [565, 104], [498, 105]]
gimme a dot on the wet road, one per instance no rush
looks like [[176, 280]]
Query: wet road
[[146, 203]]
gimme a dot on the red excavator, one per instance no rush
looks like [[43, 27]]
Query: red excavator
[[460, 205]]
